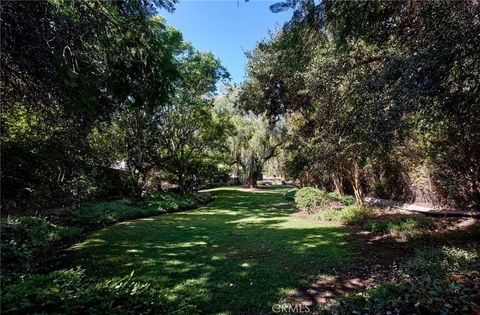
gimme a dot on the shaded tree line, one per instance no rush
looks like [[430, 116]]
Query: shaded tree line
[[86, 84], [379, 97]]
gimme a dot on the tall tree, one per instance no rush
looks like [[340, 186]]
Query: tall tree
[[66, 67], [256, 139]]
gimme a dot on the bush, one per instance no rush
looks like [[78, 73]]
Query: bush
[[309, 199], [401, 227], [290, 195], [354, 214], [347, 200], [436, 281], [70, 292], [23, 240], [105, 213]]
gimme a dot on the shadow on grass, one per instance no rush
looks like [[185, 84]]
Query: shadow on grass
[[241, 253]]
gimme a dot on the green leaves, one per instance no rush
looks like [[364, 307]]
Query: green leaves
[[357, 81]]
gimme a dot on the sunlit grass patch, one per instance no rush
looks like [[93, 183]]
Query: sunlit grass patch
[[239, 253]]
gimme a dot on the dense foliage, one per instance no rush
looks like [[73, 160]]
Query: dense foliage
[[81, 92], [252, 143], [309, 199], [352, 214], [70, 292], [435, 280], [24, 240], [378, 97], [312, 200]]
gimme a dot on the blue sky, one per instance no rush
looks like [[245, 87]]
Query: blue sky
[[226, 28]]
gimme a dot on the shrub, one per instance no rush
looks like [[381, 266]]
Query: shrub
[[23, 240], [105, 213], [290, 195], [347, 200], [401, 227], [70, 292], [354, 214], [310, 199], [436, 281]]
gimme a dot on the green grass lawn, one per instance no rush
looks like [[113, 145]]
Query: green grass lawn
[[243, 252]]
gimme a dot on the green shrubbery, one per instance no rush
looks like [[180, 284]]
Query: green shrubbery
[[353, 214], [401, 227], [436, 281], [347, 200], [70, 292], [290, 195], [105, 213], [311, 199], [26, 241]]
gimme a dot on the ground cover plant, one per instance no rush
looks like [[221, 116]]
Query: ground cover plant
[[402, 227], [353, 214], [441, 279], [28, 243]]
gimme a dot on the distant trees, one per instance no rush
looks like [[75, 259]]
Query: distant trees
[[190, 131], [254, 139], [376, 87], [253, 145], [172, 136]]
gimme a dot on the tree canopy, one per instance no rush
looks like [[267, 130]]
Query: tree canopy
[[373, 86]]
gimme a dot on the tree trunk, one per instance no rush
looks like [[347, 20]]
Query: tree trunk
[[181, 183], [305, 179], [253, 174], [144, 183], [355, 180], [251, 181], [338, 182]]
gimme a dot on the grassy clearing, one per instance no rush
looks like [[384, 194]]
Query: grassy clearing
[[31, 245], [240, 253]]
